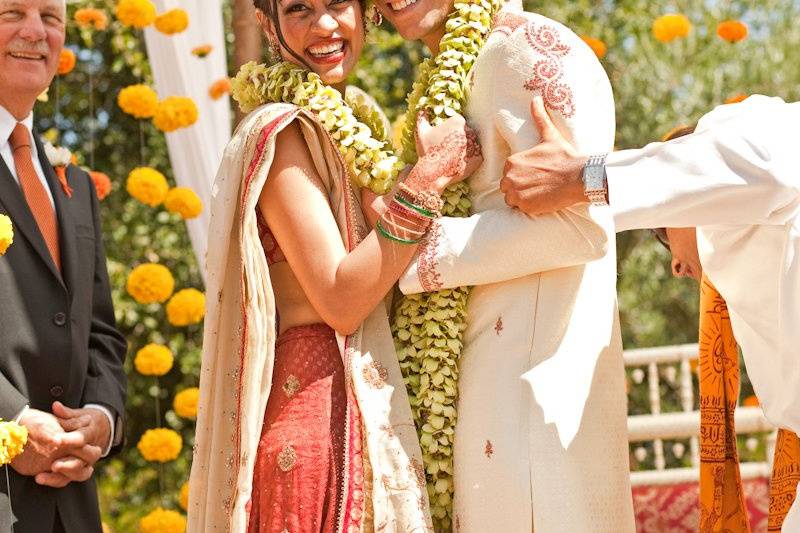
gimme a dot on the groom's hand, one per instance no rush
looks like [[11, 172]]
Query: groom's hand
[[547, 177]]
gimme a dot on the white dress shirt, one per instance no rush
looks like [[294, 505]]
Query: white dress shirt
[[7, 125], [737, 179]]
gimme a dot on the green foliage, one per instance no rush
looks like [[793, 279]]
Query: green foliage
[[657, 86]]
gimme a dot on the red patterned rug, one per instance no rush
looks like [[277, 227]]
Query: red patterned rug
[[674, 508]]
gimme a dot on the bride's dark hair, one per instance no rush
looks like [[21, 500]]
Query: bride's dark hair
[[270, 9]]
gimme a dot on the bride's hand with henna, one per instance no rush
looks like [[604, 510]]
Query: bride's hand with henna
[[448, 153]]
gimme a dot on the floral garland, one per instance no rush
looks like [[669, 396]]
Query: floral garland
[[428, 328], [369, 160]]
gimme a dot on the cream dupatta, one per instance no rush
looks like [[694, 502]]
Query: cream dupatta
[[384, 478]]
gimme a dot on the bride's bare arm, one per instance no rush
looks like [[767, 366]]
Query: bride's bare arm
[[343, 287]]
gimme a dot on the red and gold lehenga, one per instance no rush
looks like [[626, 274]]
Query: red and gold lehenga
[[307, 431], [299, 469]]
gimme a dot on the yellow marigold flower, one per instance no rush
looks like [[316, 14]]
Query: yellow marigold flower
[[163, 521], [219, 88], [45, 96], [185, 402], [106, 527], [150, 283], [174, 113], [732, 31], [736, 99], [184, 201], [66, 61], [138, 100], [188, 306], [672, 26], [202, 50], [184, 498], [136, 13], [598, 47], [90, 17], [153, 360], [147, 185], [102, 184], [161, 445], [172, 22], [6, 233], [13, 438]]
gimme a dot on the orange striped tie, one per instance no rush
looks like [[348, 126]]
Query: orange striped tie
[[34, 191]]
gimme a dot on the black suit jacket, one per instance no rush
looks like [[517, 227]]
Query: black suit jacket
[[58, 338]]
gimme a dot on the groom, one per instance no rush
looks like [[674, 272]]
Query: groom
[[541, 440]]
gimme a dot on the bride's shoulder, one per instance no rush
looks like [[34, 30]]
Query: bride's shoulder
[[265, 116]]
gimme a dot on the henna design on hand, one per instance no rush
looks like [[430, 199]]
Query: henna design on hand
[[447, 159]]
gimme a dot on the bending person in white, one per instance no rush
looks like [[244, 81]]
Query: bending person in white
[[737, 180]]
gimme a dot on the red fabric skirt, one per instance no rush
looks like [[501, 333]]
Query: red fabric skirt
[[297, 482]]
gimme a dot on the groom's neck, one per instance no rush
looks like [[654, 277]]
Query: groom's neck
[[433, 39]]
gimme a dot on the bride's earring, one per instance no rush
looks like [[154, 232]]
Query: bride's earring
[[274, 51], [374, 16]]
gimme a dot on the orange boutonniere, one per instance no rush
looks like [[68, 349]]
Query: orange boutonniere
[[60, 158]]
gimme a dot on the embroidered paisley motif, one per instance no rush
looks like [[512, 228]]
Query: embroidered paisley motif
[[549, 71], [287, 458]]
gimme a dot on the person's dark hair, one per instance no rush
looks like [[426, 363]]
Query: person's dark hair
[[270, 9], [675, 133]]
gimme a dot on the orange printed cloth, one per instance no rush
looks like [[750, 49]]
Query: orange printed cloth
[[722, 502]]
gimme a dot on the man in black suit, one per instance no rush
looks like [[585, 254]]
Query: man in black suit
[[61, 356]]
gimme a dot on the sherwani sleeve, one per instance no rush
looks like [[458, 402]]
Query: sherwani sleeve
[[739, 167], [497, 243]]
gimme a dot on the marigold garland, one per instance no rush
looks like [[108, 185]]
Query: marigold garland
[[172, 22], [102, 184], [150, 283], [185, 402], [13, 438], [187, 307], [174, 113], [428, 328], [183, 201], [732, 31], [147, 185], [219, 88], [66, 61], [139, 101], [670, 27], [183, 499], [163, 521], [6, 234], [154, 360], [136, 13], [90, 17], [369, 159]]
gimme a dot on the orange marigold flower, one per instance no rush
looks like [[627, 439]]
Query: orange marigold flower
[[66, 61], [219, 88], [136, 13], [732, 31], [102, 184], [598, 47], [751, 401], [202, 51], [672, 26], [90, 17], [736, 99], [172, 22]]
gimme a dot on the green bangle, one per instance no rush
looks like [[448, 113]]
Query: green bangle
[[391, 237], [418, 209]]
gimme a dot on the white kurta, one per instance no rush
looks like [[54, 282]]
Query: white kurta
[[541, 440], [737, 179]]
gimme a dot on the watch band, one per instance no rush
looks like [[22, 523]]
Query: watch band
[[595, 185]]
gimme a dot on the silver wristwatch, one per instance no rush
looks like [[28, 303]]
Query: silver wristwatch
[[595, 185]]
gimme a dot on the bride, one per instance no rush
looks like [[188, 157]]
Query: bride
[[304, 424]]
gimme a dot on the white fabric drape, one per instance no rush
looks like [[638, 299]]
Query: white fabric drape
[[195, 152]]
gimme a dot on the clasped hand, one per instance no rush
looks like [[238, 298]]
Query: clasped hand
[[64, 446]]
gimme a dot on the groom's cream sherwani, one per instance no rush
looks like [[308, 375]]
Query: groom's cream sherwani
[[541, 441]]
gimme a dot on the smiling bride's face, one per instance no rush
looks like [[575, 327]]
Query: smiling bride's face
[[327, 35]]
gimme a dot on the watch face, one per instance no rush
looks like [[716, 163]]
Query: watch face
[[595, 178]]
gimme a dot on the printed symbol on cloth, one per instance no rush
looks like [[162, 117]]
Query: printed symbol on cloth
[[287, 458], [498, 327], [417, 472], [506, 22], [291, 386], [375, 374], [427, 264], [488, 451], [548, 72]]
